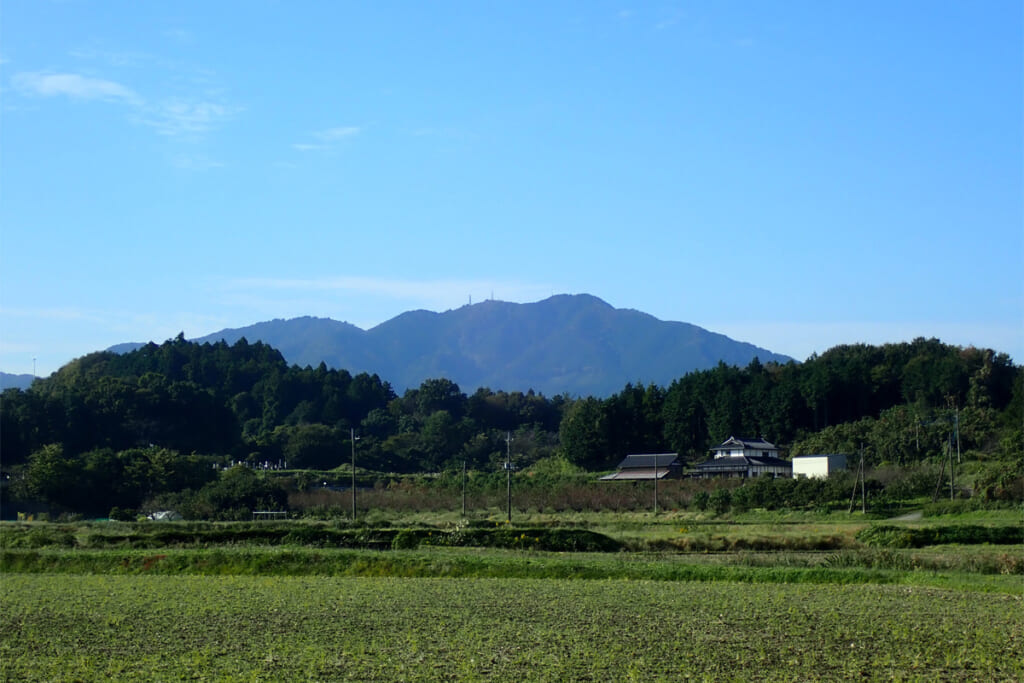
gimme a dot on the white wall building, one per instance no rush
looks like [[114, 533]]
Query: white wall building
[[819, 466], [744, 458], [752, 448]]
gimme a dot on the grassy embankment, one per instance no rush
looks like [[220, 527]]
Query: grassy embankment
[[974, 551]]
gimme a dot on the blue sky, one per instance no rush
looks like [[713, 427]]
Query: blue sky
[[793, 174]]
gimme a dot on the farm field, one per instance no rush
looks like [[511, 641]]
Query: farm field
[[159, 627], [763, 597]]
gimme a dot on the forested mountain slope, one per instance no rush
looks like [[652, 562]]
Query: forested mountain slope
[[574, 344], [118, 429]]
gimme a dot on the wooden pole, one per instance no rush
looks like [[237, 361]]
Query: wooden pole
[[863, 495], [655, 485], [938, 484], [352, 436], [952, 483], [508, 474]]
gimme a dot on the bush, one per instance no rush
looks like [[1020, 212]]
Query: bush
[[906, 483], [37, 537], [720, 500], [887, 536], [405, 540], [122, 514]]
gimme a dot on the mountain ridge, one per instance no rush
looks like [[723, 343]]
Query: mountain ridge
[[15, 381], [568, 343]]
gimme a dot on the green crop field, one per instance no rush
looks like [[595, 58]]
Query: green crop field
[[270, 628], [666, 599]]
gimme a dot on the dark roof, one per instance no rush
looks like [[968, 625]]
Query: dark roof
[[649, 460], [637, 473], [742, 462], [745, 442]]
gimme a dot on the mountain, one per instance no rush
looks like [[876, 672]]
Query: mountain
[[575, 344], [9, 381]]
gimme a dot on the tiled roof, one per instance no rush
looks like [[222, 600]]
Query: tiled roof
[[649, 460], [635, 473], [745, 442]]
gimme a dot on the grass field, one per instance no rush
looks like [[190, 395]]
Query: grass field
[[759, 597], [148, 627]]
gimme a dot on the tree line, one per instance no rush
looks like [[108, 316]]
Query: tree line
[[160, 418]]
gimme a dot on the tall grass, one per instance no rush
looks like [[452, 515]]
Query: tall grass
[[891, 536], [837, 569]]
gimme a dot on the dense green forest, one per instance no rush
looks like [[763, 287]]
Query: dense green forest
[[120, 429]]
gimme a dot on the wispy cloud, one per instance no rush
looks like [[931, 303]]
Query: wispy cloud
[[450, 133], [328, 138], [177, 117], [114, 319], [179, 35], [423, 289], [671, 20], [51, 313], [74, 86], [195, 162], [335, 134], [111, 58], [308, 296], [113, 326]]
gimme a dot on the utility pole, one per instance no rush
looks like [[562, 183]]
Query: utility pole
[[938, 483], [655, 485], [952, 476], [354, 438], [863, 495], [956, 426], [859, 480], [464, 486], [508, 473]]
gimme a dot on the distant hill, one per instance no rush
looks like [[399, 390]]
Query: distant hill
[[9, 381], [575, 344]]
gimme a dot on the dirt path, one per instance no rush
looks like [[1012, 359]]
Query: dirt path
[[909, 517]]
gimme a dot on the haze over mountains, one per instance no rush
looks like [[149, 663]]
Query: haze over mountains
[[12, 381], [575, 344]]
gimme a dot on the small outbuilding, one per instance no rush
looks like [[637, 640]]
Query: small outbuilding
[[647, 466], [818, 466]]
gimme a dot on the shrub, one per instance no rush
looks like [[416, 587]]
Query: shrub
[[887, 536], [405, 539], [37, 537], [122, 514], [720, 500]]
